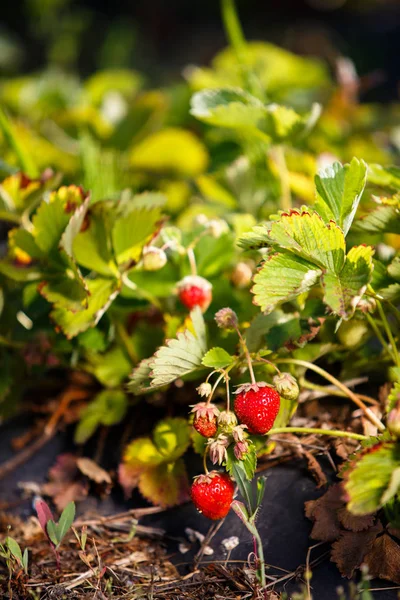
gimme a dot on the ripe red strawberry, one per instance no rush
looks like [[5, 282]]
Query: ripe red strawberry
[[212, 494], [257, 407], [195, 291], [205, 419]]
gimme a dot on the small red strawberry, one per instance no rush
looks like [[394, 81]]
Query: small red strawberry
[[205, 419], [212, 494], [195, 291], [257, 406]]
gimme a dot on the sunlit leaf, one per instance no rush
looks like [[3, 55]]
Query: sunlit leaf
[[339, 190]]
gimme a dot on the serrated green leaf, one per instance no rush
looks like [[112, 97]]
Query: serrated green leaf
[[107, 408], [234, 108], [260, 326], [384, 176], [141, 454], [384, 219], [343, 292], [165, 485], [172, 438], [305, 234], [394, 397], [180, 356], [394, 269], [368, 481], [339, 190], [228, 107], [92, 247], [282, 277], [217, 358], [134, 228], [102, 293], [53, 216], [140, 377]]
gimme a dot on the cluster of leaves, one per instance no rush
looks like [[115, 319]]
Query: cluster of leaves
[[92, 173]]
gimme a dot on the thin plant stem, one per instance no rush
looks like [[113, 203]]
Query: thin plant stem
[[318, 431], [228, 395], [389, 333], [126, 342], [205, 460], [9, 217], [248, 357], [233, 28], [380, 337], [261, 559], [328, 390], [192, 261], [286, 197], [367, 411]]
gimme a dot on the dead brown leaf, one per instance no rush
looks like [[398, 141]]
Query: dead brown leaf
[[355, 522], [383, 558], [92, 470], [349, 550], [324, 514]]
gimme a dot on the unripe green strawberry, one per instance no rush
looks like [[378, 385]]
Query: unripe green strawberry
[[154, 258], [286, 386], [350, 333]]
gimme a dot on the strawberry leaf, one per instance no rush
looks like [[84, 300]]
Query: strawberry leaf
[[172, 438], [217, 358], [182, 355], [339, 190], [282, 277], [373, 479], [384, 219], [107, 408], [165, 485], [102, 294], [343, 292]]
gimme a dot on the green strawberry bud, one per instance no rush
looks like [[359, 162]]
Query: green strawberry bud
[[286, 386], [393, 421], [350, 333], [154, 258]]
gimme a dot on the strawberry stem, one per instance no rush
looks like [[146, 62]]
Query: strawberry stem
[[192, 261], [367, 411], [247, 354], [205, 460], [311, 430]]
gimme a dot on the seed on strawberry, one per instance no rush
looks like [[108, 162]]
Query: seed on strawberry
[[257, 406], [205, 419], [195, 291], [212, 494]]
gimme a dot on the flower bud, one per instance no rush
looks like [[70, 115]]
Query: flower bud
[[286, 386], [204, 389], [239, 433], [367, 305], [154, 258], [217, 227], [393, 421], [227, 419], [241, 275], [241, 449], [226, 318]]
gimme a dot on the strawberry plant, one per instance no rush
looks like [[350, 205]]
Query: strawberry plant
[[244, 249]]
